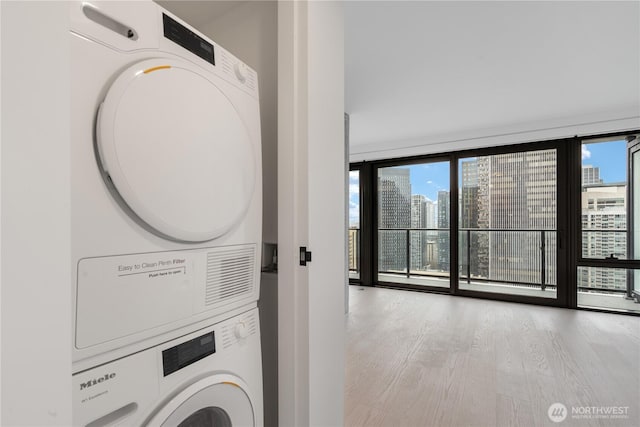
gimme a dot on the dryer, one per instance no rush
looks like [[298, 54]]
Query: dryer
[[166, 185], [210, 377]]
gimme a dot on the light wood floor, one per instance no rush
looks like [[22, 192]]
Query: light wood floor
[[416, 359]]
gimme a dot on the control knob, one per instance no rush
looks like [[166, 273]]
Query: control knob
[[240, 330], [241, 71]]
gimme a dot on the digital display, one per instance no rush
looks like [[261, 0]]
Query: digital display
[[189, 40], [176, 358]]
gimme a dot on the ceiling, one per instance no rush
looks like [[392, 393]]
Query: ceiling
[[426, 70], [420, 69]]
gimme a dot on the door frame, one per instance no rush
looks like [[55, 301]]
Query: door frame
[[311, 205], [578, 259]]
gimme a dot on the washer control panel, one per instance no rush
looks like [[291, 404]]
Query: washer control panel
[[186, 353]]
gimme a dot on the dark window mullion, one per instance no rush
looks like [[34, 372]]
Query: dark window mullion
[[564, 248], [573, 238], [454, 225], [370, 172]]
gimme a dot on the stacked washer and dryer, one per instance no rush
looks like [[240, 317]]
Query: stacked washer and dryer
[[166, 222]]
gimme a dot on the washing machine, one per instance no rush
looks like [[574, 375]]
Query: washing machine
[[179, 382], [166, 200]]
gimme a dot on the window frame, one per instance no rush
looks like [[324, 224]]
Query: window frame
[[569, 252]]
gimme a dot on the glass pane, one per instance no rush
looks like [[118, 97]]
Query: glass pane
[[207, 417], [609, 288], [413, 224], [604, 200], [354, 224], [507, 236]]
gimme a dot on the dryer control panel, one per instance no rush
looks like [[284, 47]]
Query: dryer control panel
[[186, 353], [189, 40]]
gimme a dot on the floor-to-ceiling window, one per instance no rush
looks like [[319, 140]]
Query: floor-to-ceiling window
[[413, 224], [354, 234], [508, 223], [551, 222], [608, 264]]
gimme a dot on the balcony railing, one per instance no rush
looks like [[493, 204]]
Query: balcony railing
[[607, 243], [515, 257]]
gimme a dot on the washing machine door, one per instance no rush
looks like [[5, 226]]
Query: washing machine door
[[221, 400], [174, 150]]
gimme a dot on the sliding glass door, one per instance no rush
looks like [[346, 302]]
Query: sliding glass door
[[551, 223], [413, 224]]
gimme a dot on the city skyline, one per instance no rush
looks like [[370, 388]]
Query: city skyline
[[507, 224], [429, 178]]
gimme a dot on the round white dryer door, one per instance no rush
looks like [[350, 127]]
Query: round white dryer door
[[220, 400], [176, 150]]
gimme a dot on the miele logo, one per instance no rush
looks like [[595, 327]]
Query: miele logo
[[97, 381]]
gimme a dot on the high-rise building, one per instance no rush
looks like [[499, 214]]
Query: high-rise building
[[394, 211], [354, 264], [418, 237], [444, 248], [431, 245], [591, 175], [517, 191], [469, 194], [474, 245], [603, 211], [430, 208]]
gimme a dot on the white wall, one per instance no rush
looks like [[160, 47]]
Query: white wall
[[36, 276], [249, 31]]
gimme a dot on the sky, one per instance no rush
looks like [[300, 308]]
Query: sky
[[354, 199], [610, 157], [427, 179]]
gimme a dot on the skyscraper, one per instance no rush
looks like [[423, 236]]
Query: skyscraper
[[418, 238], [444, 198], [354, 246], [603, 210], [394, 211], [474, 245], [517, 191], [591, 175], [431, 245], [430, 208]]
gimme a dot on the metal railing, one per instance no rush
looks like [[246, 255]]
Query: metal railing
[[520, 257], [604, 248], [500, 256]]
